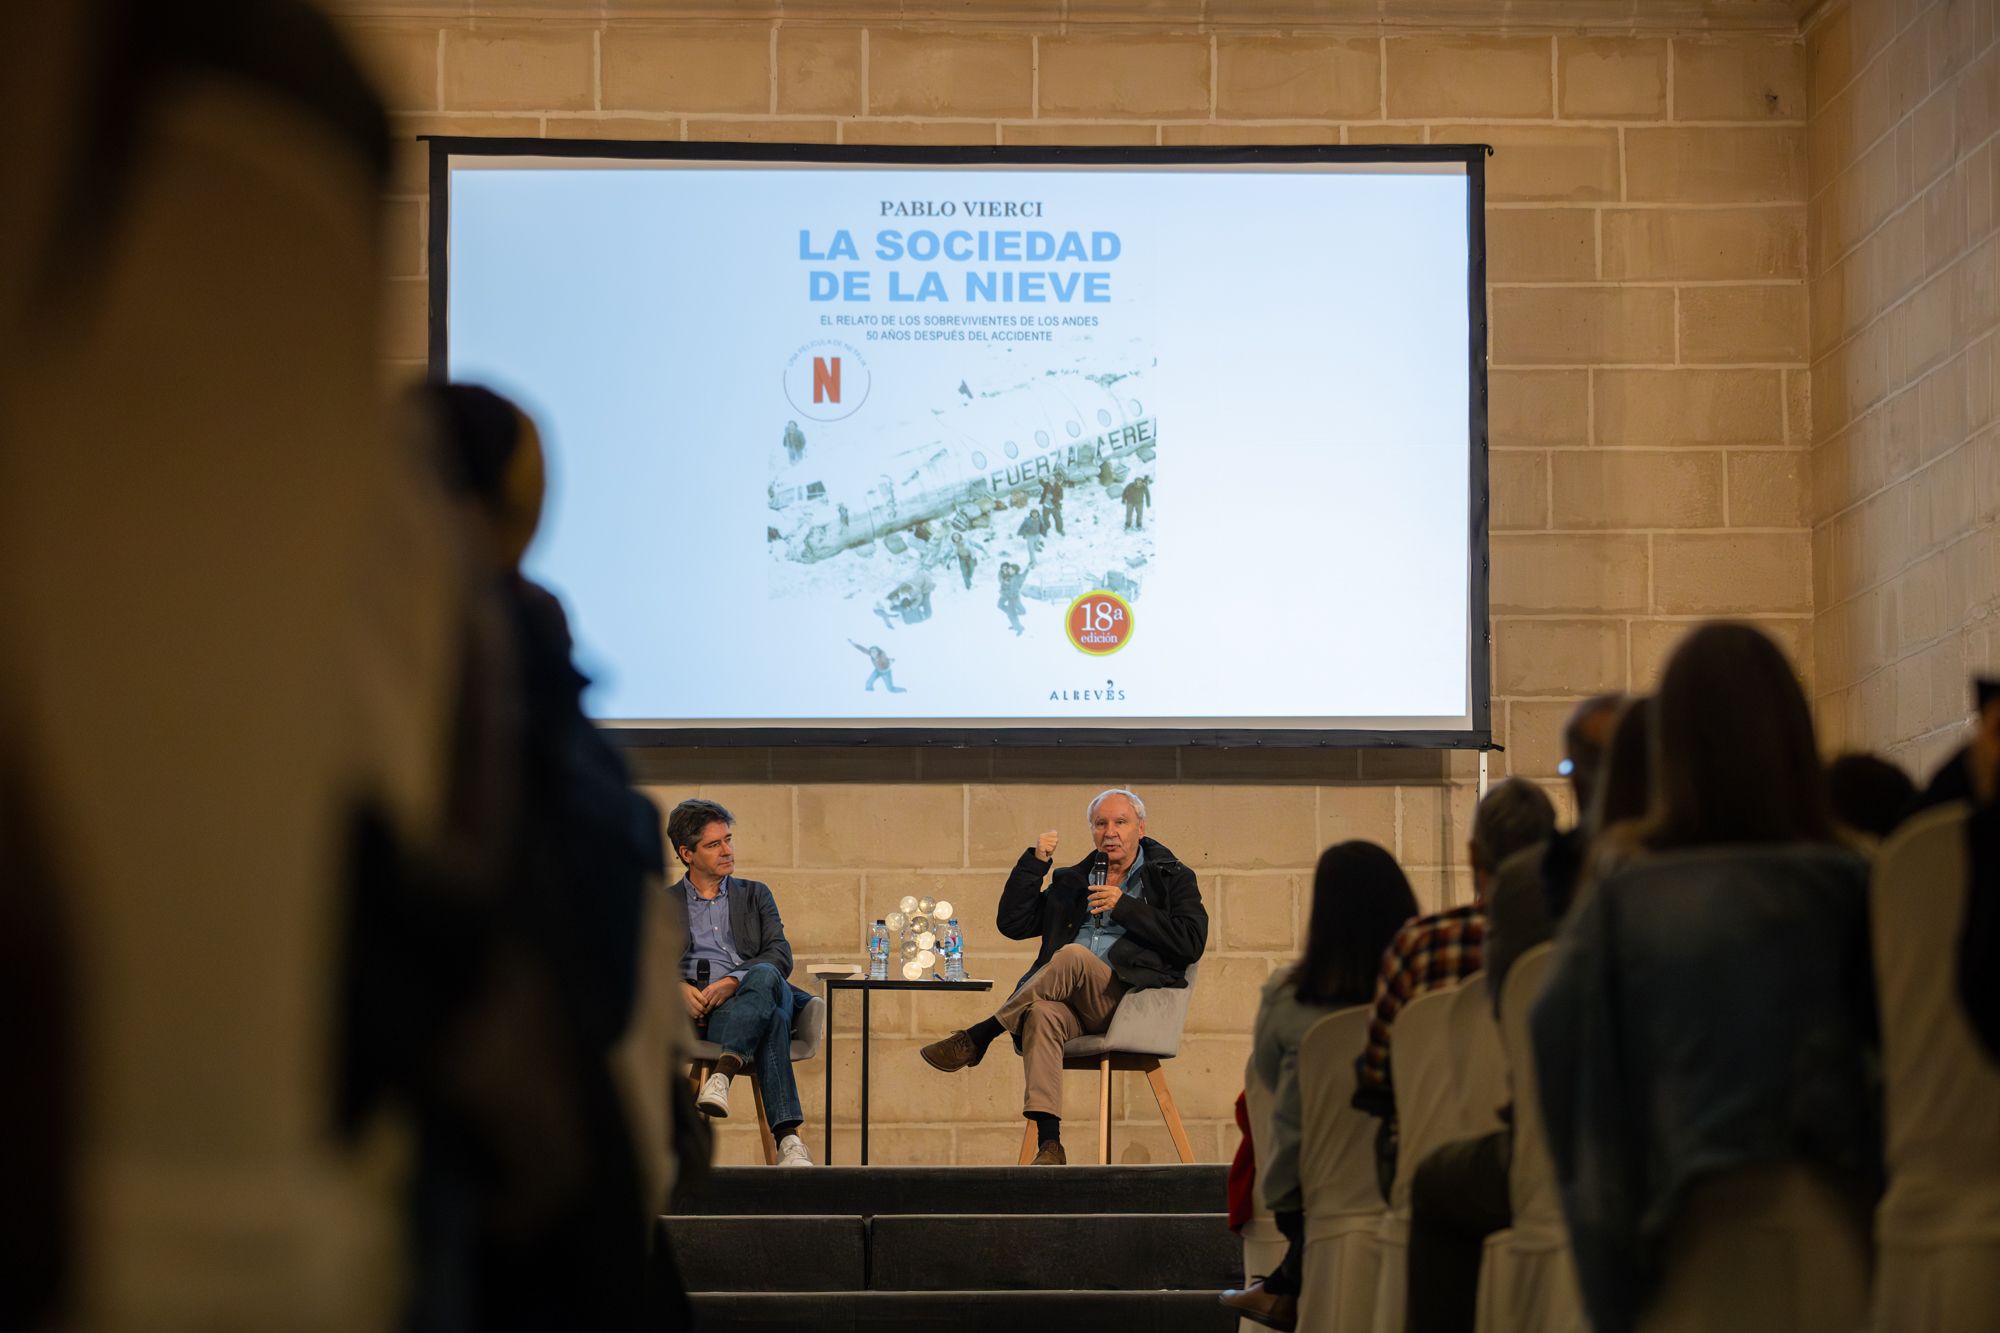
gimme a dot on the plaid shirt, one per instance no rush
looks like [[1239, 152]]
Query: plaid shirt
[[1427, 954]]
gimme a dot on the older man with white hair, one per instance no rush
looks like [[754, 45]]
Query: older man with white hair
[[1127, 917]]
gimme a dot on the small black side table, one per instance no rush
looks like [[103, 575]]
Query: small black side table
[[867, 988]]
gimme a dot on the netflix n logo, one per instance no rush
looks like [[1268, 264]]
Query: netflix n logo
[[826, 380]]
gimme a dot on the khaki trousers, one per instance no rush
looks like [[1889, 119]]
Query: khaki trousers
[[1075, 993]]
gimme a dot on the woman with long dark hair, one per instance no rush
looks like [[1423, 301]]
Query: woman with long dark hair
[[1706, 1040], [1361, 898]]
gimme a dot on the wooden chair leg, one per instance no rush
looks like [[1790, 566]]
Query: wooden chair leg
[[1104, 1111], [764, 1122], [1168, 1112], [1028, 1144], [699, 1071]]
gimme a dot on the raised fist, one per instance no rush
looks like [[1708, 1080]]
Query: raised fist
[[1045, 846]]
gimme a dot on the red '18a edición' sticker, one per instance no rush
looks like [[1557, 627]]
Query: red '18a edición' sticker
[[1100, 623]]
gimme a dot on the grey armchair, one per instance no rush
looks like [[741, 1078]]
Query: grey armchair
[[1145, 1030], [808, 1031]]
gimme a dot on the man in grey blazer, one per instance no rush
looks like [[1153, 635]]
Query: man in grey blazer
[[734, 973]]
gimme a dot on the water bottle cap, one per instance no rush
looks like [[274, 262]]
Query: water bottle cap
[[880, 922], [952, 922]]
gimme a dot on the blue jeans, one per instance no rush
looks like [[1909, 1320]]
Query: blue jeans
[[755, 1025]]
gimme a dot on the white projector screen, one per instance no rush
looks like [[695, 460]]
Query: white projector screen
[[1161, 446]]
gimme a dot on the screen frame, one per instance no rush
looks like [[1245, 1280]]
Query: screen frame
[[1479, 632]]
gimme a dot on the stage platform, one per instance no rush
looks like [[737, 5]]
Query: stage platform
[[969, 1249]]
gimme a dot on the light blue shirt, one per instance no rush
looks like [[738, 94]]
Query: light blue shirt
[[1100, 932], [709, 935]]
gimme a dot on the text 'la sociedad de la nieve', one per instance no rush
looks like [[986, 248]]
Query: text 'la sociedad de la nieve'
[[961, 255]]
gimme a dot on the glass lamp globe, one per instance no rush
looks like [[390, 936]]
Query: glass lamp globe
[[896, 921], [912, 970], [942, 911], [909, 948], [908, 904], [926, 940], [925, 905], [920, 923], [925, 961]]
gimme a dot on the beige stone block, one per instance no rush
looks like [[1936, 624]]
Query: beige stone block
[[1237, 827], [1536, 572], [1531, 407], [405, 238], [656, 128], [881, 826], [1124, 75], [1285, 78], [1144, 1142], [1739, 78], [1518, 488], [1305, 764], [762, 834], [1582, 325], [1379, 134], [401, 61], [1085, 764], [1224, 136], [666, 68], [1689, 407], [1750, 165], [1440, 887], [1061, 134], [1541, 244], [1258, 911], [410, 163], [843, 763], [405, 319], [1007, 818], [1466, 76], [1205, 1077], [1763, 323], [762, 131], [1611, 78], [1226, 993], [819, 71], [1830, 56], [1561, 657], [1534, 737], [1733, 572], [822, 912], [1630, 489], [1436, 824], [1348, 813], [950, 74], [1558, 164], [1705, 243], [919, 133], [519, 68], [1654, 641], [1767, 489]]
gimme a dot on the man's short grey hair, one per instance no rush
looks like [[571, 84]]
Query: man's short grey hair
[[1138, 806]]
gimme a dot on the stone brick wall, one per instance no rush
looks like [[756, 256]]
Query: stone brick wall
[[1905, 298], [1650, 426]]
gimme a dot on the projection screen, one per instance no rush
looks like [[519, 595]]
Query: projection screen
[[1155, 446]]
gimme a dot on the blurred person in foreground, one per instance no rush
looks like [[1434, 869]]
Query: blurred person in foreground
[[1442, 948], [1460, 1194], [1361, 898], [1869, 795], [1709, 1018]]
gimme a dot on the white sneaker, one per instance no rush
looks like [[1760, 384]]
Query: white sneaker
[[792, 1152], [713, 1099]]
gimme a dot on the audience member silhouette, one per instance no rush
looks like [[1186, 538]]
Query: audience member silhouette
[[1711, 1004], [1361, 898], [1868, 794]]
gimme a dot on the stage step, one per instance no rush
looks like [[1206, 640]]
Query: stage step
[[966, 1312], [1067, 1251], [797, 1254], [874, 1191]]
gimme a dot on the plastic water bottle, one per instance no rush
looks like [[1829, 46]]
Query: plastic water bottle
[[953, 945], [878, 951]]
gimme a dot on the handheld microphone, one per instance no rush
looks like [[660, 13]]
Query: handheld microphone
[[1100, 866]]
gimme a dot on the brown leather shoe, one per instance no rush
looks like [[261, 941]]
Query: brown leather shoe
[[1261, 1307], [1050, 1155], [953, 1053]]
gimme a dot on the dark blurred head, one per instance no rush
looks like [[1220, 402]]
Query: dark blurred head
[[1360, 900], [1513, 815], [1625, 780], [491, 457], [1585, 735], [1868, 793], [1733, 752]]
